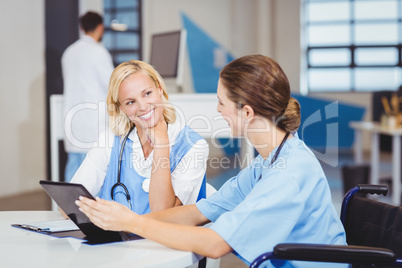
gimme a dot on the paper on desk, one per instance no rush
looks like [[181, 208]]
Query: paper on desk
[[51, 226]]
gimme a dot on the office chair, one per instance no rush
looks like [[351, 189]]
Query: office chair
[[373, 233]]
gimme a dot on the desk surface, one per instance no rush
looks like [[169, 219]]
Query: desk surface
[[22, 248], [376, 128]]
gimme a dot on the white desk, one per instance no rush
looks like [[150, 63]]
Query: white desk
[[22, 248], [375, 129]]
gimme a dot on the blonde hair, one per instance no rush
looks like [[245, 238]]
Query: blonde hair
[[119, 122]]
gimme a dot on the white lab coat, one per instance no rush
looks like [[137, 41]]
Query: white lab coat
[[86, 67]]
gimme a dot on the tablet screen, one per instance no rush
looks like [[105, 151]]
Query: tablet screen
[[65, 194]]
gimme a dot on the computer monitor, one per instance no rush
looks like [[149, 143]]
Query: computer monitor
[[167, 56]]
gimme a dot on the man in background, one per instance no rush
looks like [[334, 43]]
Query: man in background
[[86, 67]]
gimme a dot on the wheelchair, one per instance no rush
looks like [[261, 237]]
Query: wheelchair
[[373, 233]]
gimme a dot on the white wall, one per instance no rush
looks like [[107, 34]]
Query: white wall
[[286, 39], [90, 5], [22, 95]]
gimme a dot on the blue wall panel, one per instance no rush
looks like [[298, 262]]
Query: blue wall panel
[[325, 123], [201, 49]]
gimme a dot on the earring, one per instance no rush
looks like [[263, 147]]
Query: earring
[[245, 121]]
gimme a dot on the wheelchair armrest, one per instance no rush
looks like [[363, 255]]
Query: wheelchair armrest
[[334, 253], [373, 189]]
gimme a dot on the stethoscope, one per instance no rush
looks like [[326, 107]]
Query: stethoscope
[[277, 151], [145, 184]]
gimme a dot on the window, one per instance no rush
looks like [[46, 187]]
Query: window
[[122, 19], [353, 45]]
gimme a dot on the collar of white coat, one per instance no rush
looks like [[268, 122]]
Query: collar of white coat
[[88, 38]]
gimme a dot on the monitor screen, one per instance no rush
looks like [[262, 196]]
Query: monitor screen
[[167, 51]]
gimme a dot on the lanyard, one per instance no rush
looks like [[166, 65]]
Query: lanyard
[[277, 151], [279, 148]]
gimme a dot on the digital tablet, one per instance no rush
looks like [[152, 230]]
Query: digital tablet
[[65, 194]]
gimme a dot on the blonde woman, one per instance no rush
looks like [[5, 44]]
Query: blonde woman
[[155, 161]]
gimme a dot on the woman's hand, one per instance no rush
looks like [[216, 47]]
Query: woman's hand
[[157, 135], [108, 215]]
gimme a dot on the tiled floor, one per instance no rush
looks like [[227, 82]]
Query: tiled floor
[[331, 165]]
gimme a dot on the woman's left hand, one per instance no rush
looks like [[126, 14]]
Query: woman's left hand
[[108, 215]]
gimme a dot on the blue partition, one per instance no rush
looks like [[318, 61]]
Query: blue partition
[[205, 70], [325, 123], [202, 50]]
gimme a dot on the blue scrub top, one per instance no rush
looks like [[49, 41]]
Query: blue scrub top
[[291, 203]]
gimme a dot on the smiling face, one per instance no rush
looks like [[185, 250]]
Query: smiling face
[[140, 99], [229, 112]]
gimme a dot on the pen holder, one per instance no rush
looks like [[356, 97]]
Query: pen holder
[[390, 121]]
